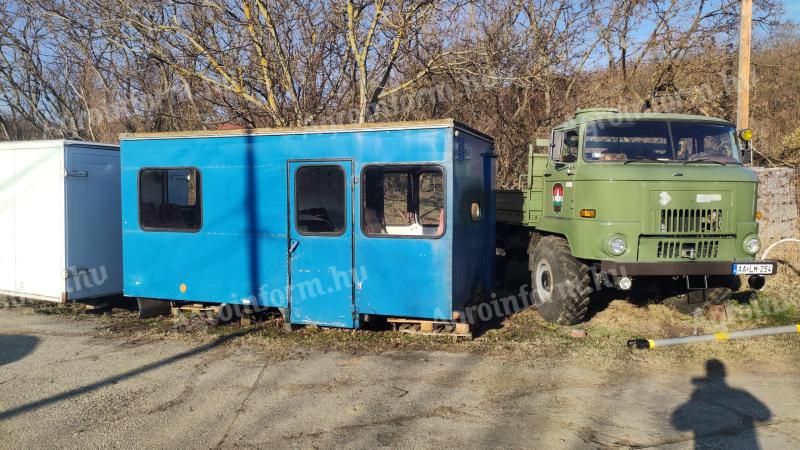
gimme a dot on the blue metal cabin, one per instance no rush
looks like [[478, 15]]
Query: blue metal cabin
[[326, 223]]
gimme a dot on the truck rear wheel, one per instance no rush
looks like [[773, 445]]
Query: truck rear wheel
[[559, 282]]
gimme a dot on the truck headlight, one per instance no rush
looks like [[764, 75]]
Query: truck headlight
[[752, 245], [616, 245]]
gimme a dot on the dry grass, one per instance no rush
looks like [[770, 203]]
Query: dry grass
[[524, 336]]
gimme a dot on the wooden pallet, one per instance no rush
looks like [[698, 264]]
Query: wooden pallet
[[196, 309], [432, 327]]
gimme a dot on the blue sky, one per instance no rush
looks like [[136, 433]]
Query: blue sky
[[792, 9]]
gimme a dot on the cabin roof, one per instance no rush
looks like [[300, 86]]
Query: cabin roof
[[312, 129]]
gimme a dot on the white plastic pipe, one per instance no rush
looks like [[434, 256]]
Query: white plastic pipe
[[782, 241]]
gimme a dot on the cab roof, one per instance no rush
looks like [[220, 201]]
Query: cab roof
[[583, 116]]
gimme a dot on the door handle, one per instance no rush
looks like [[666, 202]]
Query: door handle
[[77, 174], [293, 246], [548, 175]]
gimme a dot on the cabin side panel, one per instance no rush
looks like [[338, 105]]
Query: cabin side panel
[[93, 231], [473, 218], [7, 258], [400, 275], [238, 254], [38, 200]]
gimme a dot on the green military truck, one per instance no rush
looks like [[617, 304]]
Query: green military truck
[[633, 201]]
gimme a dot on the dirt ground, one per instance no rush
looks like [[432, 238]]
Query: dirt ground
[[69, 379]]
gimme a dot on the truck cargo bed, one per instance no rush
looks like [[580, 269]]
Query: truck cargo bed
[[510, 206]]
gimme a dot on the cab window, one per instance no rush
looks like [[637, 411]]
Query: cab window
[[565, 146]]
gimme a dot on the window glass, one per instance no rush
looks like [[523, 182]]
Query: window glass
[[697, 141], [627, 140], [320, 200], [661, 141], [565, 146], [403, 201], [431, 197], [557, 143], [169, 199], [396, 190]]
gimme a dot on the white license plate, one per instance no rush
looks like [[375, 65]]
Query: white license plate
[[754, 269]]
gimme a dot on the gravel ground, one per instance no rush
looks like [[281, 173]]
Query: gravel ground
[[63, 384]]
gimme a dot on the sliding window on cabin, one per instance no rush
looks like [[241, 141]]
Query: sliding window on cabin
[[403, 201]]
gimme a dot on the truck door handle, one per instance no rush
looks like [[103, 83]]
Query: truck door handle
[[548, 175], [293, 246]]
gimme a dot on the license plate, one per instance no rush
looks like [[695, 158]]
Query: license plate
[[754, 269]]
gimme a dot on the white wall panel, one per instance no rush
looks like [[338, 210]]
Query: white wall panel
[[39, 221], [7, 221]]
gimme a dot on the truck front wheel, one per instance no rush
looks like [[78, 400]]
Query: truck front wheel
[[560, 283]]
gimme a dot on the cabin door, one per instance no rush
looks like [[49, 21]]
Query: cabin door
[[321, 243]]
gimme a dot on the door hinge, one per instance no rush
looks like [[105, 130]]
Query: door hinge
[[76, 174]]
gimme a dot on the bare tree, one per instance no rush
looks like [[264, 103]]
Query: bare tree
[[90, 69]]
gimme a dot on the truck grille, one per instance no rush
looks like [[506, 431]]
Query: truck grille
[[680, 249], [691, 221]]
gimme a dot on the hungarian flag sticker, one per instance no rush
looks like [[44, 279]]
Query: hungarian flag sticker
[[558, 197]]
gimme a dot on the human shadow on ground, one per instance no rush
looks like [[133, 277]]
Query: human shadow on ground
[[719, 415]]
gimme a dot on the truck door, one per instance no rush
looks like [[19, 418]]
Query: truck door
[[321, 243], [559, 177]]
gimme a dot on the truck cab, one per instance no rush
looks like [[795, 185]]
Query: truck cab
[[635, 199]]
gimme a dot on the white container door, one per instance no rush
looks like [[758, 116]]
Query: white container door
[[94, 231], [7, 220], [39, 221]]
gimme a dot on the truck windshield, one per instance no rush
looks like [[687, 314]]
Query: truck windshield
[[664, 141]]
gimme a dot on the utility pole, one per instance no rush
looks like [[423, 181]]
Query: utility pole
[[745, 43]]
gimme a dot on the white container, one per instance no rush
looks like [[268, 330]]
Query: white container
[[60, 232]]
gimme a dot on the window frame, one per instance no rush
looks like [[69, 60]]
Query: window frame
[[199, 202], [297, 210], [363, 200], [419, 180], [737, 150], [557, 145], [472, 204]]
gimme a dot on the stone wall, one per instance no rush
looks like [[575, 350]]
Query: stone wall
[[779, 202]]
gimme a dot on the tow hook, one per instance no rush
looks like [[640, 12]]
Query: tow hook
[[756, 282]]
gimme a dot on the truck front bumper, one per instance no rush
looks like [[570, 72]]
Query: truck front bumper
[[682, 268]]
